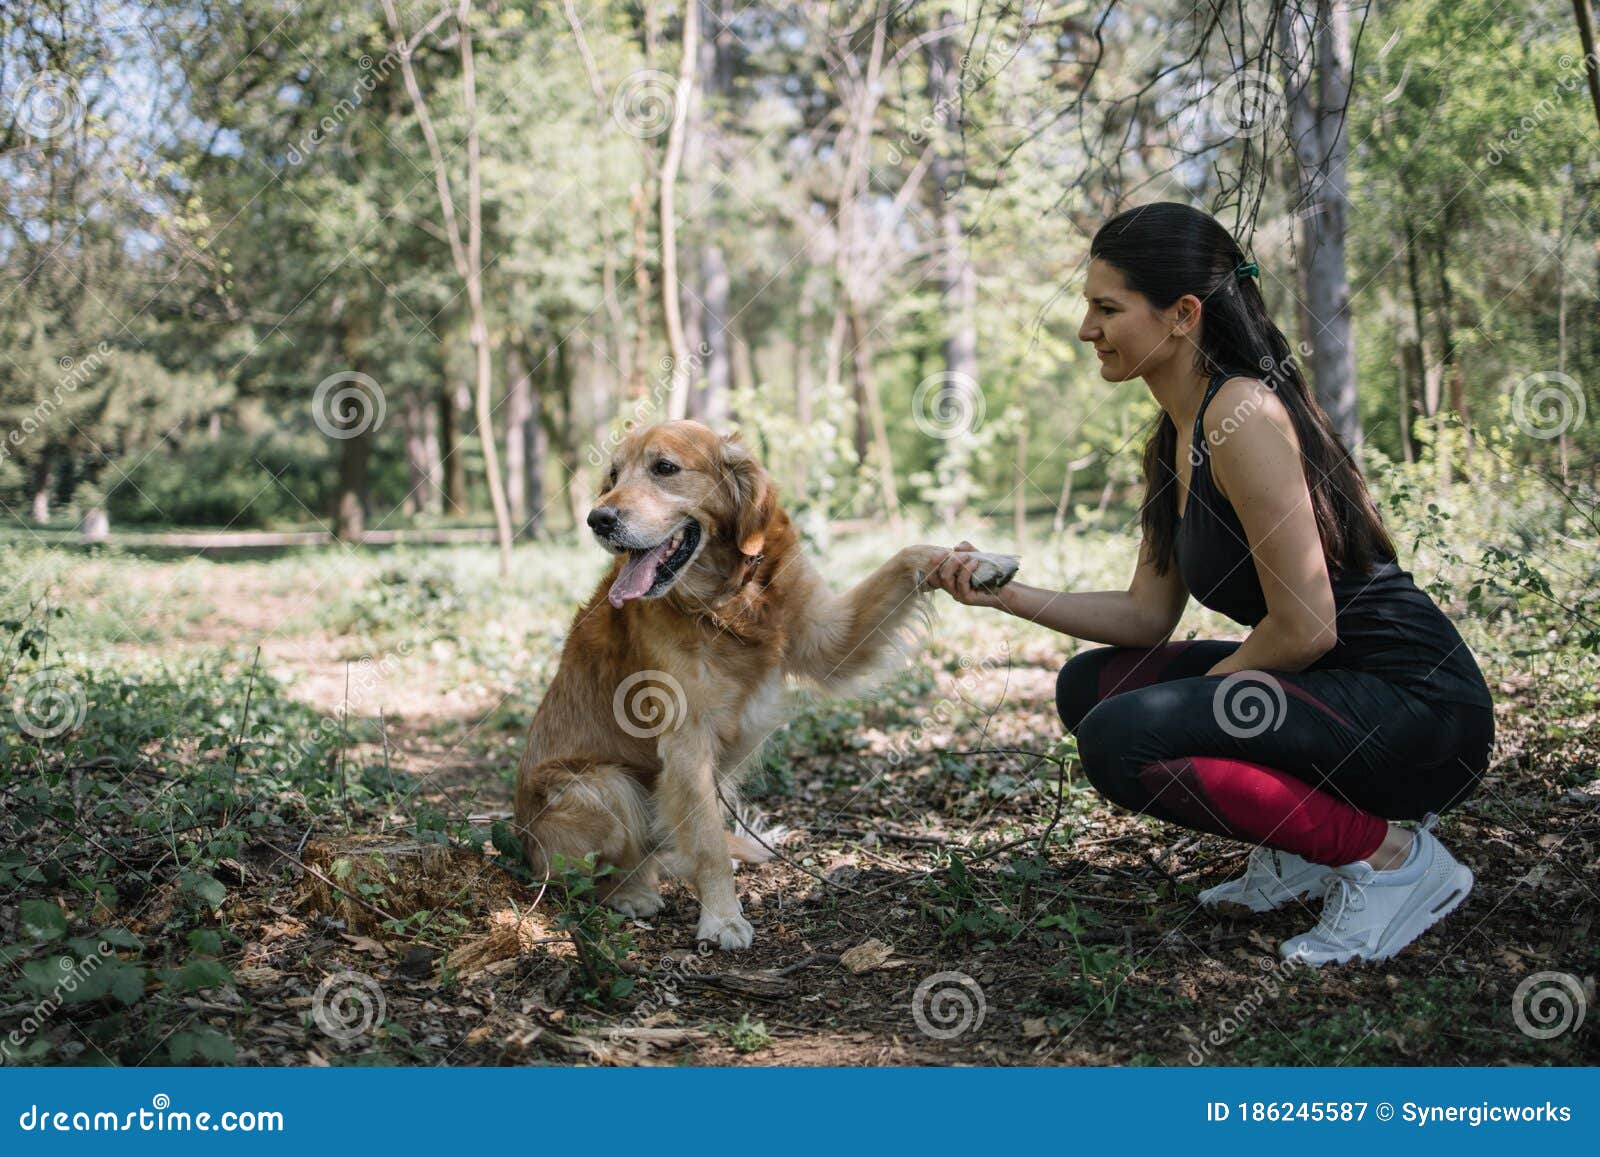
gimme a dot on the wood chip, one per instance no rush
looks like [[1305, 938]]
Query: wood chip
[[868, 956]]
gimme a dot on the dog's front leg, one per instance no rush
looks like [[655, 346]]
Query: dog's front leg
[[849, 633], [688, 795]]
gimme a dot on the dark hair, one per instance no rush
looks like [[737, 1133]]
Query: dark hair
[[1165, 250]]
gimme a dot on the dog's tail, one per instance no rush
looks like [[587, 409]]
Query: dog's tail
[[565, 811], [752, 839]]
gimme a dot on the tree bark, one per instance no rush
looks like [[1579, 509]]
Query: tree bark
[[454, 464], [467, 254], [519, 409], [421, 488], [41, 487], [867, 401], [1317, 66], [957, 278], [678, 391], [537, 453], [1591, 68], [355, 421]]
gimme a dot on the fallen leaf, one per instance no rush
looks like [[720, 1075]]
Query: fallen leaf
[[1034, 1027], [366, 944]]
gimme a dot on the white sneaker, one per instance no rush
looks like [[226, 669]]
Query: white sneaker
[[1371, 915], [1271, 880]]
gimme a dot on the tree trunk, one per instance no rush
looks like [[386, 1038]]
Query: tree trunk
[[867, 401], [41, 487], [639, 207], [454, 462], [518, 410], [419, 481], [354, 417], [433, 460], [678, 391], [956, 278], [1019, 511], [1317, 60], [715, 91], [467, 255], [715, 339], [350, 511], [1591, 66], [1450, 361], [474, 279], [536, 451], [1561, 291]]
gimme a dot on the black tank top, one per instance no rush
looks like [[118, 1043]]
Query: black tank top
[[1387, 625]]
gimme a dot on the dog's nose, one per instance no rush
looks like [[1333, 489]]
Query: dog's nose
[[603, 520]]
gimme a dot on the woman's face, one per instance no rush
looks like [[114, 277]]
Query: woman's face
[[1130, 336]]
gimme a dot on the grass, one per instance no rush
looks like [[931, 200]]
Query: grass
[[159, 909]]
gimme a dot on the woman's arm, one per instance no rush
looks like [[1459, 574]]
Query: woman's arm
[[1260, 469], [1141, 616]]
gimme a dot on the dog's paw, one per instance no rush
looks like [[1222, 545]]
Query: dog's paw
[[994, 570], [641, 905], [727, 932]]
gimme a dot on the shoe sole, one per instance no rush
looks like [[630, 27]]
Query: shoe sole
[[1444, 900]]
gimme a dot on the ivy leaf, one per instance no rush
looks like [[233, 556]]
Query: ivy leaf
[[206, 1043], [208, 888], [42, 919], [127, 983], [197, 974]]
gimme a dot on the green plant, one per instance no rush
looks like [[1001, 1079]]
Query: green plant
[[747, 1036], [599, 934]]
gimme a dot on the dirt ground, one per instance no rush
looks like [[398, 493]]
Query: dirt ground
[[1067, 932]]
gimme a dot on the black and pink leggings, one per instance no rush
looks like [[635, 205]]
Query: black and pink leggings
[[1309, 762]]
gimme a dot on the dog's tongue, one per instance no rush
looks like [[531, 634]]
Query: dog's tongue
[[637, 573]]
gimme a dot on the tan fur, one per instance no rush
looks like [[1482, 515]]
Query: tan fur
[[649, 804]]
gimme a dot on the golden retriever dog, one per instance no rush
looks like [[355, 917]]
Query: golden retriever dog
[[674, 670]]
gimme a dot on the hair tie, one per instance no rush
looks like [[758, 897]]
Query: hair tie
[[1247, 269]]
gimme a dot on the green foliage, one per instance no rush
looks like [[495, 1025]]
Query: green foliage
[[158, 779], [598, 933], [747, 1036]]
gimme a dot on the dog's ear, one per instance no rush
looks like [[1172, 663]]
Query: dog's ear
[[754, 496]]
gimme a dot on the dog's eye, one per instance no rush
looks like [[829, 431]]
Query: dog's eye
[[612, 479], [664, 468]]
